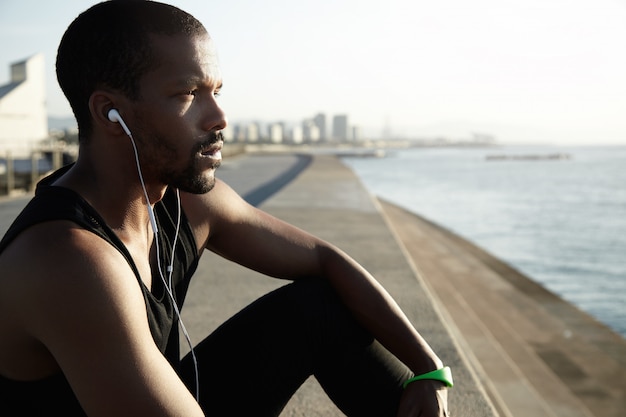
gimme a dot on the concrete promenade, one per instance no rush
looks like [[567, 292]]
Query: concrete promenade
[[515, 349]]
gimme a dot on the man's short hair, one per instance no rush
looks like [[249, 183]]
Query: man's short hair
[[108, 46]]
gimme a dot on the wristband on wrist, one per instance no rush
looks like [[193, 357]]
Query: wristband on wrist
[[444, 375]]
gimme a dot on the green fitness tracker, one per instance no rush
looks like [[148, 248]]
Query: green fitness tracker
[[444, 375]]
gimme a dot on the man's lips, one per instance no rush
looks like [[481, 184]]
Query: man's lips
[[213, 151]]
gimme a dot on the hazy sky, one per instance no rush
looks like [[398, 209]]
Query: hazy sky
[[540, 71]]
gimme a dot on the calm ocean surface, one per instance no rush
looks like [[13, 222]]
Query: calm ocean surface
[[560, 222]]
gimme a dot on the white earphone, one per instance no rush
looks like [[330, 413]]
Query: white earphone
[[114, 116]]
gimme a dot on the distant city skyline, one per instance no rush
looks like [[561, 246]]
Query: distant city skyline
[[525, 71], [307, 130]]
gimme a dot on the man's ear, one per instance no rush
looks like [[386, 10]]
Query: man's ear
[[100, 102]]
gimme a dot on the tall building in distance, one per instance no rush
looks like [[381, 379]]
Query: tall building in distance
[[275, 132], [320, 122], [311, 131], [340, 128]]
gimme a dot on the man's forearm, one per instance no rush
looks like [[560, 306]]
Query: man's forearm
[[378, 312]]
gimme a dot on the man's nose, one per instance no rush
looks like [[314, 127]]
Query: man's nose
[[215, 117]]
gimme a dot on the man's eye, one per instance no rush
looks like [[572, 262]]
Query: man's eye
[[192, 92], [217, 93]]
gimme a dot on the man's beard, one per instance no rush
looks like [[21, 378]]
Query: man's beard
[[191, 179]]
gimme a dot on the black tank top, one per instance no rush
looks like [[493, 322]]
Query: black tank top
[[53, 395]]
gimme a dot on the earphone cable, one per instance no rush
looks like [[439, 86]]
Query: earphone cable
[[170, 268]]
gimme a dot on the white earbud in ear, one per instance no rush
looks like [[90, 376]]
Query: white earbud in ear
[[115, 117]]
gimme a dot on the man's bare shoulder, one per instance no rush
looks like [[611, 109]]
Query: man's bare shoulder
[[218, 209], [52, 249], [221, 201], [54, 266]]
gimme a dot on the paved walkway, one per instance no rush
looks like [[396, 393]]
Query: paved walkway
[[516, 349]]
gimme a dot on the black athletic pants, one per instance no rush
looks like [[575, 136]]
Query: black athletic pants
[[255, 362]]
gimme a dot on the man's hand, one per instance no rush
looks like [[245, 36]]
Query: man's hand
[[424, 398]]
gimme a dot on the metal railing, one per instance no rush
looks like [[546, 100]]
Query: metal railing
[[22, 174]]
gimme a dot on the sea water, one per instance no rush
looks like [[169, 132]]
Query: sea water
[[556, 214]]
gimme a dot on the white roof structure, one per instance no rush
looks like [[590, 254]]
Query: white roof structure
[[23, 114]]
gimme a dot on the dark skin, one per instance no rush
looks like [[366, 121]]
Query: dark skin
[[174, 124]]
